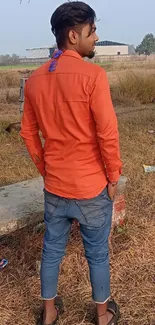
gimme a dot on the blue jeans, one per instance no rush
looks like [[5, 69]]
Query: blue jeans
[[94, 216]]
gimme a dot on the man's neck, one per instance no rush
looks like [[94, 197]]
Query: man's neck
[[71, 48]]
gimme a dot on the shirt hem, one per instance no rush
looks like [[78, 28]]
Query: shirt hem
[[80, 196]]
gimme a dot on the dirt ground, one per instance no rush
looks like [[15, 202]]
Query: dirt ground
[[132, 250]]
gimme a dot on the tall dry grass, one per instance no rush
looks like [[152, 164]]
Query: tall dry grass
[[126, 65], [9, 79], [9, 96], [9, 87], [132, 88]]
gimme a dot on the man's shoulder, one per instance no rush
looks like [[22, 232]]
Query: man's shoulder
[[84, 68], [92, 69], [42, 70]]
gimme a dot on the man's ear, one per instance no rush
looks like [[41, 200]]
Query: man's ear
[[73, 36]]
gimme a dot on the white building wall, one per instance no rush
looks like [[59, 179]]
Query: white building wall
[[112, 50]]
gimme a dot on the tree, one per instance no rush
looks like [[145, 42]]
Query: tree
[[15, 59], [9, 60], [147, 45]]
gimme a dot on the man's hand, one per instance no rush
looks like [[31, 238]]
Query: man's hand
[[112, 188]]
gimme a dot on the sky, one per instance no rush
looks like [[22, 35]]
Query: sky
[[27, 25]]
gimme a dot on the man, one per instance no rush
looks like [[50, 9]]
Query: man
[[69, 101]]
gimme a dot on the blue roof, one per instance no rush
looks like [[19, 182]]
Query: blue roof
[[108, 43]]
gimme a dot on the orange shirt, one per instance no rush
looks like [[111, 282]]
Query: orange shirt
[[72, 108]]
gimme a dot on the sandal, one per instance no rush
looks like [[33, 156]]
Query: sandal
[[113, 308], [59, 308]]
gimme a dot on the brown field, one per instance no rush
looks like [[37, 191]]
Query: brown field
[[132, 250]]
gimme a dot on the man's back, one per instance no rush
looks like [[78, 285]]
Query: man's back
[[66, 103]]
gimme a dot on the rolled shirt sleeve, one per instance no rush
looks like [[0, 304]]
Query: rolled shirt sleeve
[[106, 126]]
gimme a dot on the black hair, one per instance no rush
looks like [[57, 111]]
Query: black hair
[[69, 15]]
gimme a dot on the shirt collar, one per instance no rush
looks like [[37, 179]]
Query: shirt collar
[[72, 54]]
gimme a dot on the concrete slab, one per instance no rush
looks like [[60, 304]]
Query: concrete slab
[[21, 204]]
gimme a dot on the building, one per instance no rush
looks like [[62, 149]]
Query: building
[[38, 55], [40, 52], [109, 48], [103, 48]]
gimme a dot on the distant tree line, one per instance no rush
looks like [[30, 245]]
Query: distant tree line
[[147, 45], [9, 59]]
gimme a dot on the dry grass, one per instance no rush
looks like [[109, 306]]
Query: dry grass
[[9, 96], [132, 88], [127, 65], [15, 165], [9, 85], [132, 251], [132, 281], [128, 87], [9, 79]]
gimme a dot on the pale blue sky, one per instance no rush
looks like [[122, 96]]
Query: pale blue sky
[[27, 25]]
